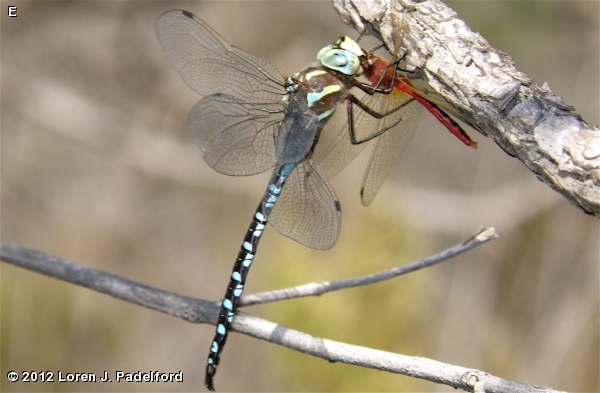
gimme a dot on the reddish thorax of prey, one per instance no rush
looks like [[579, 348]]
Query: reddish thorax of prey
[[374, 67]]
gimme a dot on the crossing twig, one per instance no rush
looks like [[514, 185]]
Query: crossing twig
[[316, 289]]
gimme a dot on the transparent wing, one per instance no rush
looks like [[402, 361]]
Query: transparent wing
[[388, 146], [308, 210], [403, 122], [236, 138], [209, 65]]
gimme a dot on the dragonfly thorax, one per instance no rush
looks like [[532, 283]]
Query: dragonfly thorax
[[322, 90]]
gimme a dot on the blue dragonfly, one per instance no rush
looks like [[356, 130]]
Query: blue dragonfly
[[254, 118]]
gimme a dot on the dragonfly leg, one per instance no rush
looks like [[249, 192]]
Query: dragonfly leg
[[353, 100], [350, 108], [372, 89]]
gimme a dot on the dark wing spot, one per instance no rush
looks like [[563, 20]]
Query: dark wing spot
[[188, 14], [338, 207]]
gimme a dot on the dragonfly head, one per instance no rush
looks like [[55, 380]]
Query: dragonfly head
[[344, 56], [374, 67]]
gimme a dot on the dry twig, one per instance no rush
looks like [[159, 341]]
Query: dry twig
[[203, 311]]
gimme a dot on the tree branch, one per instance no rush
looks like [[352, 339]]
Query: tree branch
[[481, 86], [202, 311], [317, 289]]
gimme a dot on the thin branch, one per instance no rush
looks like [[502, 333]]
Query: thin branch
[[481, 86], [317, 289], [202, 311], [189, 309]]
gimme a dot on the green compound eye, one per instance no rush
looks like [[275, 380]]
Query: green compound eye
[[340, 60], [342, 56], [348, 44]]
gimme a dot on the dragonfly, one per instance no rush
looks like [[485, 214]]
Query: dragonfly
[[253, 118], [397, 92]]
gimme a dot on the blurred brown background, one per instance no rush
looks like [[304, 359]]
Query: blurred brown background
[[98, 168]]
